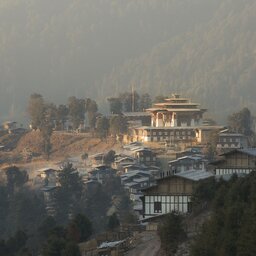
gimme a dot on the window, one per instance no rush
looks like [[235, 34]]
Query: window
[[157, 207]]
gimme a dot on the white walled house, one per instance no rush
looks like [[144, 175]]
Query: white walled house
[[184, 164], [172, 193]]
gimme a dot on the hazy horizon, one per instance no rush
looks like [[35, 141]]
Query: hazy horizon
[[99, 48]]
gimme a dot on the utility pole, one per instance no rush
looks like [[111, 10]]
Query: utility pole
[[133, 99]]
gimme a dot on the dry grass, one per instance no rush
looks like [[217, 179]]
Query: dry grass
[[63, 145]]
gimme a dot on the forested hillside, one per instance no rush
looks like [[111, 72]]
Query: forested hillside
[[214, 63], [231, 231], [97, 48]]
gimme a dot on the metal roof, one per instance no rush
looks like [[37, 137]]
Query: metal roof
[[133, 173], [195, 158], [195, 175], [110, 244], [125, 158], [131, 184], [142, 179], [248, 151]]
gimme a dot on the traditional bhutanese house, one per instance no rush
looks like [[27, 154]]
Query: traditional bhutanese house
[[120, 162], [171, 193], [183, 164], [227, 141], [236, 161], [134, 188], [175, 120], [145, 156], [130, 176]]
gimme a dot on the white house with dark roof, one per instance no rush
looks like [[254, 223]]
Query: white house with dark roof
[[184, 164], [172, 193]]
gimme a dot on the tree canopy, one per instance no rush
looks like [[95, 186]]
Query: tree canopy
[[231, 228]]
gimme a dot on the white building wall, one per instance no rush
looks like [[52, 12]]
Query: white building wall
[[230, 171], [159, 123], [168, 204], [168, 124]]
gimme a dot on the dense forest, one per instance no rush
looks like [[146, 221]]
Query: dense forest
[[99, 48], [232, 227], [79, 213], [214, 63]]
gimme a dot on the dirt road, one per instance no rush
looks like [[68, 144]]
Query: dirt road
[[148, 245]]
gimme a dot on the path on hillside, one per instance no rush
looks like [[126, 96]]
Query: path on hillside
[[148, 245]]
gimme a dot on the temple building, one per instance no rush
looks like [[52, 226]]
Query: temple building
[[175, 120], [176, 112]]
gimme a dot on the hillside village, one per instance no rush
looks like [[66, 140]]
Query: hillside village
[[148, 162]]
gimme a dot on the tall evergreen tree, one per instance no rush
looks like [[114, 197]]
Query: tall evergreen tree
[[36, 110], [68, 194]]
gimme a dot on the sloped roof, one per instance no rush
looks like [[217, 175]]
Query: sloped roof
[[195, 175], [110, 244], [133, 173], [247, 151], [46, 169], [195, 158]]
